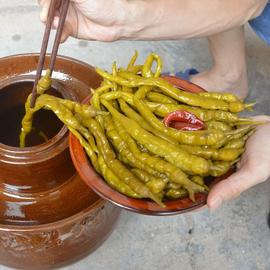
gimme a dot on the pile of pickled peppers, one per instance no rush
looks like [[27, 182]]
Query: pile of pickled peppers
[[148, 138]]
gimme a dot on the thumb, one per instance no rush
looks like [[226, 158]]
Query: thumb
[[231, 187], [45, 6]]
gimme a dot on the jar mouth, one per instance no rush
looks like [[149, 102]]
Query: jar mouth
[[15, 154]]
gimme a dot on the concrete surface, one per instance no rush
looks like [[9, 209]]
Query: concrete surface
[[236, 236]]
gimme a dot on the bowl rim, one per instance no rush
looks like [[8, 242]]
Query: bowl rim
[[141, 206], [99, 203]]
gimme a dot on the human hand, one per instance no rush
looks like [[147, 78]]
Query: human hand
[[101, 20], [253, 168]]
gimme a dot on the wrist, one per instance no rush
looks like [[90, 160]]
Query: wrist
[[142, 19]]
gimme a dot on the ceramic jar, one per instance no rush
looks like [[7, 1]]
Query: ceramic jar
[[48, 216]]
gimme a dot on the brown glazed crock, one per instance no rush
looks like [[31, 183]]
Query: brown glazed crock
[[48, 215], [141, 206]]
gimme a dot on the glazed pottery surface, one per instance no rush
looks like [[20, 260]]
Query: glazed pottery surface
[[48, 215], [142, 206]]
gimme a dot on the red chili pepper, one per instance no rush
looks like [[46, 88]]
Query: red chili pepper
[[183, 120]]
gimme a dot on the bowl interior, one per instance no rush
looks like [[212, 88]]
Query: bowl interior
[[142, 206]]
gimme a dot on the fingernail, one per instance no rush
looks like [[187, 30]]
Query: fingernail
[[215, 203]]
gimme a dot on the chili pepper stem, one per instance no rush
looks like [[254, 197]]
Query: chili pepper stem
[[245, 121], [249, 106], [235, 161], [236, 131], [157, 200]]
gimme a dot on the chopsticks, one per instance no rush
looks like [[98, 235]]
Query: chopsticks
[[55, 4]]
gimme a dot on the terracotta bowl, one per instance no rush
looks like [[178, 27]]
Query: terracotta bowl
[[142, 206], [48, 215]]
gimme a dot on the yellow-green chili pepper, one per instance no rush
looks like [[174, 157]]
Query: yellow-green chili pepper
[[204, 137], [156, 184], [182, 96], [160, 98], [160, 147], [220, 96], [114, 181], [146, 70], [218, 125], [116, 166], [176, 193], [225, 154], [135, 116]]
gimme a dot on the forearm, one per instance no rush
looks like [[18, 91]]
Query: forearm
[[182, 19]]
